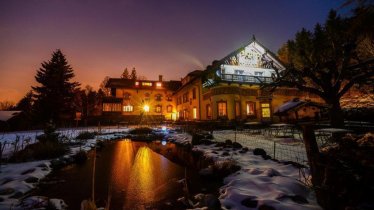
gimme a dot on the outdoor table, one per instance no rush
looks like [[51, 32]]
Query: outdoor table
[[278, 127], [253, 126], [334, 133]]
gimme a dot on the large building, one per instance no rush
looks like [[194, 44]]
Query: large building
[[228, 90]]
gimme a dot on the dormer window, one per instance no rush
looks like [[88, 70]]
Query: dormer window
[[149, 84]]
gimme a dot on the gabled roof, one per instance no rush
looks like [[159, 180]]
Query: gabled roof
[[129, 83], [254, 42]]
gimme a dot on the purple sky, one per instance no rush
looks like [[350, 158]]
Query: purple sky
[[169, 37]]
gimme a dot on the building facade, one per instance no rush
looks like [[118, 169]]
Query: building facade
[[228, 90]]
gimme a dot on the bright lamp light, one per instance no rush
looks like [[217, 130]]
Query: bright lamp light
[[146, 108]]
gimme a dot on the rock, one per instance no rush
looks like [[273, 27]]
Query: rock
[[220, 144], [298, 199], [6, 191], [17, 195], [225, 154], [57, 164], [31, 179], [206, 142], [206, 171], [244, 150], [6, 180], [28, 171], [250, 202], [207, 200], [259, 151], [266, 157], [228, 142], [266, 207], [236, 145]]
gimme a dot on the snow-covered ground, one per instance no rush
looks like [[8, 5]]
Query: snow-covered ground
[[17, 179], [9, 139], [285, 149], [259, 182]]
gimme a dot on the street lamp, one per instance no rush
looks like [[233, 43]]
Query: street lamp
[[146, 108]]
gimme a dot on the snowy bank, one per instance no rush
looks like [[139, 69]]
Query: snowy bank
[[259, 182]]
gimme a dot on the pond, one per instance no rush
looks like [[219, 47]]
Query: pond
[[133, 174]]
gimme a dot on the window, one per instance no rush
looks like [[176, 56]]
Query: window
[[146, 96], [194, 93], [222, 109], [185, 97], [251, 108], [126, 96], [258, 73], [112, 107], [159, 84], [128, 108], [265, 110], [239, 71], [169, 108], [208, 111], [158, 109], [237, 109], [158, 97], [147, 84], [194, 113], [169, 98], [136, 83]]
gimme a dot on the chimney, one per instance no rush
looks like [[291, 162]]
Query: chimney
[[160, 78]]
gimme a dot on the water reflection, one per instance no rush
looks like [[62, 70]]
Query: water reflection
[[136, 177], [140, 175]]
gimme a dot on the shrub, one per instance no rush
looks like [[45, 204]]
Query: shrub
[[86, 135], [39, 151], [141, 130]]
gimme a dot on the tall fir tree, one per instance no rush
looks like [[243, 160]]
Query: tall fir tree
[[55, 93], [133, 74], [125, 74]]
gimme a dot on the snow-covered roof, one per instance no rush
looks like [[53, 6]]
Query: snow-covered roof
[[6, 115], [295, 103]]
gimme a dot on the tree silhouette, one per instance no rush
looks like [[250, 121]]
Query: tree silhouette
[[133, 75], [125, 74], [55, 93], [325, 63]]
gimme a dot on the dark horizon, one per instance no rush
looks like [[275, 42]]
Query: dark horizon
[[164, 37]]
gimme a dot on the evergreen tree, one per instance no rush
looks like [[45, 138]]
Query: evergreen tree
[[55, 93], [133, 74], [125, 74]]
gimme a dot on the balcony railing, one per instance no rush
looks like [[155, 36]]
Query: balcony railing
[[246, 78]]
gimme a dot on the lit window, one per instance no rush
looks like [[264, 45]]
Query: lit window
[[208, 111], [265, 110], [169, 108], [147, 84], [136, 83], [250, 109], [158, 109], [222, 109], [158, 97], [128, 108], [158, 84], [194, 113], [111, 107]]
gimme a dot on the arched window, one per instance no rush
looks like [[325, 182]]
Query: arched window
[[169, 108], [158, 97], [158, 108]]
